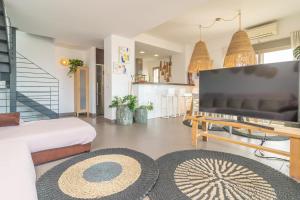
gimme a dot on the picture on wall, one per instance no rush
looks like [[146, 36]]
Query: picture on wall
[[120, 67], [124, 55]]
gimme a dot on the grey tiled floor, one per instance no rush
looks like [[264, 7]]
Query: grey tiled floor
[[162, 136]]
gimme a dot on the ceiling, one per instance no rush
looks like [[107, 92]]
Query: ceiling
[[150, 51], [88, 22], [184, 29]]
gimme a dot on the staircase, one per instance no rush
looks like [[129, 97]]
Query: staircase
[[4, 49], [25, 87], [37, 91]]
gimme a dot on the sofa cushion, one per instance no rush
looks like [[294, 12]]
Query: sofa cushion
[[235, 103], [250, 104], [50, 134], [220, 102], [271, 105], [206, 102], [17, 172], [9, 119]]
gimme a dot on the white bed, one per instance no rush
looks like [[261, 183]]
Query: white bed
[[50, 134]]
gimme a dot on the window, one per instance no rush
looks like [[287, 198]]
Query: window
[[156, 74], [278, 56], [274, 51]]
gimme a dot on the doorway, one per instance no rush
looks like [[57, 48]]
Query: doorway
[[99, 82]]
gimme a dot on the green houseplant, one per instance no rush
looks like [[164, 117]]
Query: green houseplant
[[297, 53], [74, 64], [125, 108], [141, 113]]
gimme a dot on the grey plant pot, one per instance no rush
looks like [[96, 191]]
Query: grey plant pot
[[141, 115], [124, 115]]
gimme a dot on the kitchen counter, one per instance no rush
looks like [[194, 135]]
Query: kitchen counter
[[152, 92]]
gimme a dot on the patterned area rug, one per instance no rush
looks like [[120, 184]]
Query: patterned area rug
[[109, 174], [201, 175]]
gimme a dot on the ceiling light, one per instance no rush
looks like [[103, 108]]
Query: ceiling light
[[156, 55], [142, 52], [200, 59], [240, 51]]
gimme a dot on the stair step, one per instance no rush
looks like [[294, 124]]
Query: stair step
[[4, 76], [3, 35], [4, 67], [2, 21], [4, 47], [4, 58]]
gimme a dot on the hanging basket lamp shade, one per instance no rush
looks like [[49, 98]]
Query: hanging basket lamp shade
[[200, 59], [240, 51]]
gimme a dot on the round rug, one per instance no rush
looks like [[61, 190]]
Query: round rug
[[201, 174], [108, 174]]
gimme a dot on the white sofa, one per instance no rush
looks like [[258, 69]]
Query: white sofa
[[17, 143], [17, 172]]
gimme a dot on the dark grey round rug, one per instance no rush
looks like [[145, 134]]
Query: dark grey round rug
[[201, 175], [108, 174]]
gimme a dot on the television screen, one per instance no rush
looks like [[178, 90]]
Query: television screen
[[268, 91]]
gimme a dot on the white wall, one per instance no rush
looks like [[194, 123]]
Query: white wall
[[66, 83], [45, 53], [92, 78], [116, 84]]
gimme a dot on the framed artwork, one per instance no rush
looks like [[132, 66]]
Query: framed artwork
[[124, 55], [119, 68]]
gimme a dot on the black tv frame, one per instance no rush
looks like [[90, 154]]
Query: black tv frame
[[240, 117]]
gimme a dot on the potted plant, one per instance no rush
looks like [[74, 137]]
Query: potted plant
[[74, 64], [141, 113], [125, 108], [297, 53]]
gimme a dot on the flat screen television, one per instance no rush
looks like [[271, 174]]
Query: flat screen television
[[268, 91]]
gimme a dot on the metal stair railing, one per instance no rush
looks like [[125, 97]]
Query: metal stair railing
[[37, 91], [32, 91]]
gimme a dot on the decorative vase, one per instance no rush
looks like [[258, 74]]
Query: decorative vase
[[141, 115], [124, 115]]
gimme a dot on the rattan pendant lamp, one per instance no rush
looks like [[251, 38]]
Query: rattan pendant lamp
[[200, 59], [240, 51]]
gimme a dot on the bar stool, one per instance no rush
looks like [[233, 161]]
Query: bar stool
[[188, 104], [181, 101], [167, 96]]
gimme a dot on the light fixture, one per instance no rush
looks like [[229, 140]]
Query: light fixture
[[200, 59], [156, 55], [240, 51], [64, 61], [142, 52]]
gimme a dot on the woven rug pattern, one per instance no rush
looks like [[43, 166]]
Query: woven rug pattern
[[109, 174], [201, 175]]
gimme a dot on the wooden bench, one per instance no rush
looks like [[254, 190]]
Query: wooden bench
[[292, 133]]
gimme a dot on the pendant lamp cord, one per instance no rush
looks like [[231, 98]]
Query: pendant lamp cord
[[240, 20], [200, 28], [239, 16]]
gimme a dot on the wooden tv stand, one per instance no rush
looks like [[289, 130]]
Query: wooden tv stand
[[292, 133]]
